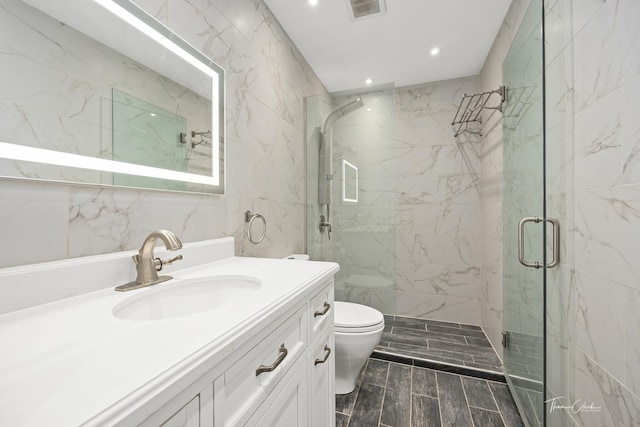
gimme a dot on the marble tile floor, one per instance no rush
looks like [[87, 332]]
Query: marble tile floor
[[453, 347], [391, 394]]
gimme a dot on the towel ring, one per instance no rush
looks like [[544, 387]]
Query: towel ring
[[250, 217]]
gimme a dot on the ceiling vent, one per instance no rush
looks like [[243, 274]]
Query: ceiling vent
[[362, 8]]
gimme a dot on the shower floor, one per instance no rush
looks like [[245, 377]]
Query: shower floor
[[451, 347]]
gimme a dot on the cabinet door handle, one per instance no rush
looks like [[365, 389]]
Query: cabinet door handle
[[283, 353], [326, 356], [327, 306]]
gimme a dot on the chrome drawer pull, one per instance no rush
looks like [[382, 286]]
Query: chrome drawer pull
[[327, 306], [283, 353], [326, 356]]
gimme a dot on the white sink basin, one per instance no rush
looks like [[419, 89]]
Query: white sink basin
[[184, 297]]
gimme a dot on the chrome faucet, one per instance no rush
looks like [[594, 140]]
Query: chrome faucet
[[324, 224], [147, 266]]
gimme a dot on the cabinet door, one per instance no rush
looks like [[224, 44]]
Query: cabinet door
[[196, 412], [322, 399], [188, 416], [287, 406]]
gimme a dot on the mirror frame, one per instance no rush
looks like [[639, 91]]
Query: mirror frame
[[127, 16]]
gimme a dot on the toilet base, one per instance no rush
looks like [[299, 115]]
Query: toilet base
[[352, 352]]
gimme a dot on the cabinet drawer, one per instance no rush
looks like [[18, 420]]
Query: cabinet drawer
[[287, 405], [321, 310], [242, 388]]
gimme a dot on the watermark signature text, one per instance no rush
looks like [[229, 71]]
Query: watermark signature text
[[574, 407]]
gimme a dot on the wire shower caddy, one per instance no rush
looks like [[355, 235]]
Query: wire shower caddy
[[467, 118]]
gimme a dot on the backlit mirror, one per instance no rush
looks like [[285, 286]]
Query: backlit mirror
[[100, 92]]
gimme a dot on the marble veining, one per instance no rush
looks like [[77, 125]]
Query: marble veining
[[264, 128], [411, 245]]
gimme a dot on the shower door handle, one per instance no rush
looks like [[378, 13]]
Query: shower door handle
[[556, 241], [523, 221]]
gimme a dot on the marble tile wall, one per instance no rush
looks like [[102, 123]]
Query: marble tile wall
[[592, 76], [411, 245], [593, 136], [267, 80]]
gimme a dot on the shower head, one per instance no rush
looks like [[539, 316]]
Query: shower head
[[351, 107], [343, 111]]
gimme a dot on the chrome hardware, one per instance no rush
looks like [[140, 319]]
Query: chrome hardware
[[283, 353], [555, 242], [524, 262], [250, 217], [505, 339], [324, 224], [160, 263], [470, 109], [327, 306], [326, 356], [147, 273]]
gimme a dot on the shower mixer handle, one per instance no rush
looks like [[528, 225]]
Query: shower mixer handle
[[324, 224]]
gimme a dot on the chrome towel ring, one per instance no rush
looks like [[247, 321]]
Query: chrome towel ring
[[250, 217]]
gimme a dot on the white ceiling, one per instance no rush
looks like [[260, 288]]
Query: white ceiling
[[392, 47]]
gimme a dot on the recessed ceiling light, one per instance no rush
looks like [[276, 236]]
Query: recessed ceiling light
[[434, 51], [368, 81], [313, 2]]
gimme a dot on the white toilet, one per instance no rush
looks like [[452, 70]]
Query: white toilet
[[358, 329]]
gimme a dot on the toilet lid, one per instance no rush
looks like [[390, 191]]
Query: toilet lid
[[349, 317]]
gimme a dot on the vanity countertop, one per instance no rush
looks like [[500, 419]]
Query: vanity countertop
[[72, 361]]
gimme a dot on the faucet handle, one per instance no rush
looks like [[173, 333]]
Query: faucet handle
[[159, 263]]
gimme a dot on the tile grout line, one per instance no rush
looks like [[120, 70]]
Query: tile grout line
[[466, 399], [411, 397], [358, 387], [438, 393], [384, 393], [499, 411], [484, 409]]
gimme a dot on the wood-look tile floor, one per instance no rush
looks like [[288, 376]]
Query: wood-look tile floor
[[445, 342], [390, 394]]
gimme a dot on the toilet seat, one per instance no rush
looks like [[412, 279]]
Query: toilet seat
[[356, 318]]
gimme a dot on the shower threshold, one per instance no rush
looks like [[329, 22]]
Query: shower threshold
[[444, 346]]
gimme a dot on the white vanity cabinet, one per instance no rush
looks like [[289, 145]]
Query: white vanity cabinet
[[282, 375], [198, 411], [321, 360], [214, 353], [321, 365], [187, 416], [258, 372]]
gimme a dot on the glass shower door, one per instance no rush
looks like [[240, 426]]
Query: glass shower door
[[362, 201], [523, 211]]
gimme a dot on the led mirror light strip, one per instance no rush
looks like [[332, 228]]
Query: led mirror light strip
[[40, 155]]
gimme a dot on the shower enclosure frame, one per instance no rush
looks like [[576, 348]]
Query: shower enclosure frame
[[525, 239]]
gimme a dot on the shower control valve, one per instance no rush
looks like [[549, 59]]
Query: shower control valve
[[324, 224]]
